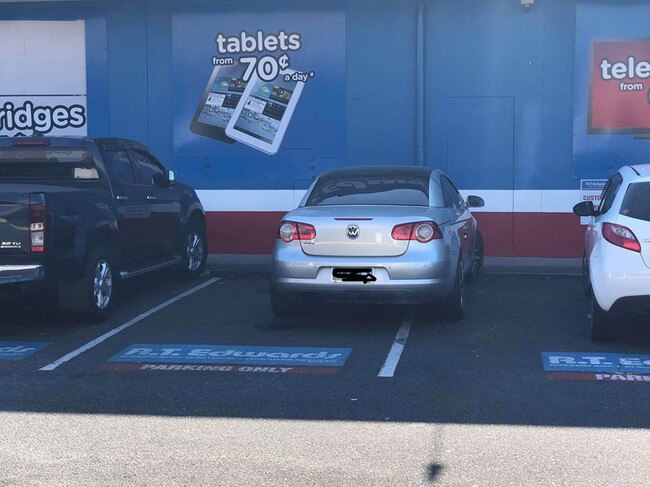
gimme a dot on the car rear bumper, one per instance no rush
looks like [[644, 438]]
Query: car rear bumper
[[10, 274], [619, 278], [417, 276]]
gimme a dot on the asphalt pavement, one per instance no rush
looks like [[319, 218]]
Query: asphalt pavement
[[411, 401]]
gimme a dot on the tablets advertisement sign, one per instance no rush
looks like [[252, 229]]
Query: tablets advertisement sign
[[249, 88]]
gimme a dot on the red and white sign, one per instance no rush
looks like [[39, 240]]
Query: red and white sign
[[620, 87]]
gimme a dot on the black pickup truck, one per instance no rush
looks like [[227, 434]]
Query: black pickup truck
[[79, 214]]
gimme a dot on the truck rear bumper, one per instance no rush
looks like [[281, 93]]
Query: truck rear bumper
[[21, 273]]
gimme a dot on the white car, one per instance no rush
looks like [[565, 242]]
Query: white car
[[616, 262]]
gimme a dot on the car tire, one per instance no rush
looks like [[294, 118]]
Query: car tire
[[602, 323], [452, 307], [193, 250], [283, 306], [93, 295], [478, 259], [586, 278]]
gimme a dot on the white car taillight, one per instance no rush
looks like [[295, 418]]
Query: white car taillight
[[621, 236]]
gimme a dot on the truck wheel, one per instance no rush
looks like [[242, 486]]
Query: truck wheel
[[453, 306], [602, 323], [94, 293], [283, 306], [194, 251]]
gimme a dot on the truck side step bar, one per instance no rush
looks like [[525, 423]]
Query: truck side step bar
[[161, 265]]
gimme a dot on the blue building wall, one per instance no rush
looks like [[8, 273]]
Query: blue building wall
[[494, 76], [490, 90]]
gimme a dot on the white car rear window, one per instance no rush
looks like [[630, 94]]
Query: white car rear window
[[636, 203]]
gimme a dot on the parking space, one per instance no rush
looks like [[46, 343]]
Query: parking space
[[28, 318], [219, 336], [193, 357]]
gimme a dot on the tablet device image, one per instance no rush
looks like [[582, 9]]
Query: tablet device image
[[264, 111], [221, 96]]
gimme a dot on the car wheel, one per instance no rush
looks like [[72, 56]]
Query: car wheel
[[453, 306], [602, 323], [194, 251], [93, 294], [586, 279], [478, 259], [283, 306]]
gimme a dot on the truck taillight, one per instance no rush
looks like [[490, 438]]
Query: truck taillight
[[421, 231], [37, 222]]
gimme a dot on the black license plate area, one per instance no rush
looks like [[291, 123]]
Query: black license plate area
[[346, 274]]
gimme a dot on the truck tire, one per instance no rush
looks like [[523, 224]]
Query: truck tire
[[193, 250], [602, 323], [452, 307], [93, 295]]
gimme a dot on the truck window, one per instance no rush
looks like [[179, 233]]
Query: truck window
[[119, 166], [51, 164], [147, 166]]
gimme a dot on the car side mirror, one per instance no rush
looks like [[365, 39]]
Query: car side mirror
[[171, 177], [586, 208], [475, 202]]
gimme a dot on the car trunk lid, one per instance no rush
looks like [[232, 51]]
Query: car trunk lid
[[356, 230]]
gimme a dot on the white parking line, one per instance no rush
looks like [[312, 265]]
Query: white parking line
[[392, 359], [124, 326]]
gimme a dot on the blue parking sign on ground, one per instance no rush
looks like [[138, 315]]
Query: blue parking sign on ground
[[19, 350], [595, 362], [232, 354]]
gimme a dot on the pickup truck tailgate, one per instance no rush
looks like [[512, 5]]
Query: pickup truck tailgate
[[14, 227]]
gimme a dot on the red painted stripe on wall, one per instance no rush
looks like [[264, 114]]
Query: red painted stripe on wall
[[242, 232], [531, 234], [505, 234]]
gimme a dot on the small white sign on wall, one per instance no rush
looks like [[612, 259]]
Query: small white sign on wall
[[591, 190], [43, 78]]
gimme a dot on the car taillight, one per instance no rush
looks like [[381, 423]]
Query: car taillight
[[290, 231], [621, 236], [37, 223], [421, 231]]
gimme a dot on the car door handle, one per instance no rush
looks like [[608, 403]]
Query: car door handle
[[121, 197], [152, 197]]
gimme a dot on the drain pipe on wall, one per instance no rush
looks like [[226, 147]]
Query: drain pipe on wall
[[419, 86]]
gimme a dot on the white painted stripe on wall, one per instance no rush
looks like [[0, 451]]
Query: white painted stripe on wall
[[496, 200], [250, 199]]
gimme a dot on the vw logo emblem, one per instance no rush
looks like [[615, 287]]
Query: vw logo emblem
[[353, 232]]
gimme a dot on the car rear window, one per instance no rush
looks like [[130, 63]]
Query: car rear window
[[636, 203], [363, 189], [51, 164]]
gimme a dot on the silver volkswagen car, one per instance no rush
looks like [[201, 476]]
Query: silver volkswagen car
[[378, 234]]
